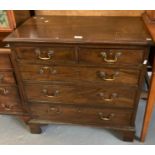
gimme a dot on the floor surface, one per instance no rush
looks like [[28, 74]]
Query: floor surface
[[13, 131]]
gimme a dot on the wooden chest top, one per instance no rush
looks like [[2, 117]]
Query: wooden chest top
[[76, 29]]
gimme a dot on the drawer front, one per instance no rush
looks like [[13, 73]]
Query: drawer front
[[101, 75], [100, 56], [7, 78], [81, 115], [5, 62], [48, 73], [9, 100], [49, 55], [81, 95]]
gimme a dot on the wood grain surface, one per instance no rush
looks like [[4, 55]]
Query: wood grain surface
[[91, 12]]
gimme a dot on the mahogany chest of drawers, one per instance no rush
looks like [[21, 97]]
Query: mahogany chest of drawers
[[81, 70], [9, 96]]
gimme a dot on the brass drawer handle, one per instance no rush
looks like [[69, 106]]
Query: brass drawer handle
[[7, 107], [49, 55], [105, 57], [7, 46], [107, 77], [111, 97], [54, 110], [106, 118], [49, 69], [3, 91], [54, 94]]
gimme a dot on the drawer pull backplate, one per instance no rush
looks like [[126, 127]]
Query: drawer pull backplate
[[106, 59], [49, 55], [50, 95], [106, 76], [106, 118], [110, 98]]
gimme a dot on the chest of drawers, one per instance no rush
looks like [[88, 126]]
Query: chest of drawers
[[9, 95], [81, 70]]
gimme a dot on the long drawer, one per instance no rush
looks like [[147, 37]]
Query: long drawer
[[102, 56], [109, 75], [81, 115], [80, 94], [46, 55], [9, 100]]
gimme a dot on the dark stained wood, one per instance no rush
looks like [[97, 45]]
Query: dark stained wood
[[7, 77], [128, 135], [5, 62], [122, 30], [21, 16], [100, 75], [9, 100], [151, 15], [62, 76], [105, 56], [82, 95], [34, 128], [25, 118], [51, 55], [2, 36], [81, 115], [9, 95]]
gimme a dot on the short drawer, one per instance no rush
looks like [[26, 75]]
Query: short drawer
[[48, 73], [101, 75], [46, 55], [7, 77], [101, 56], [5, 62], [81, 95], [110, 75], [81, 115], [9, 100]]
